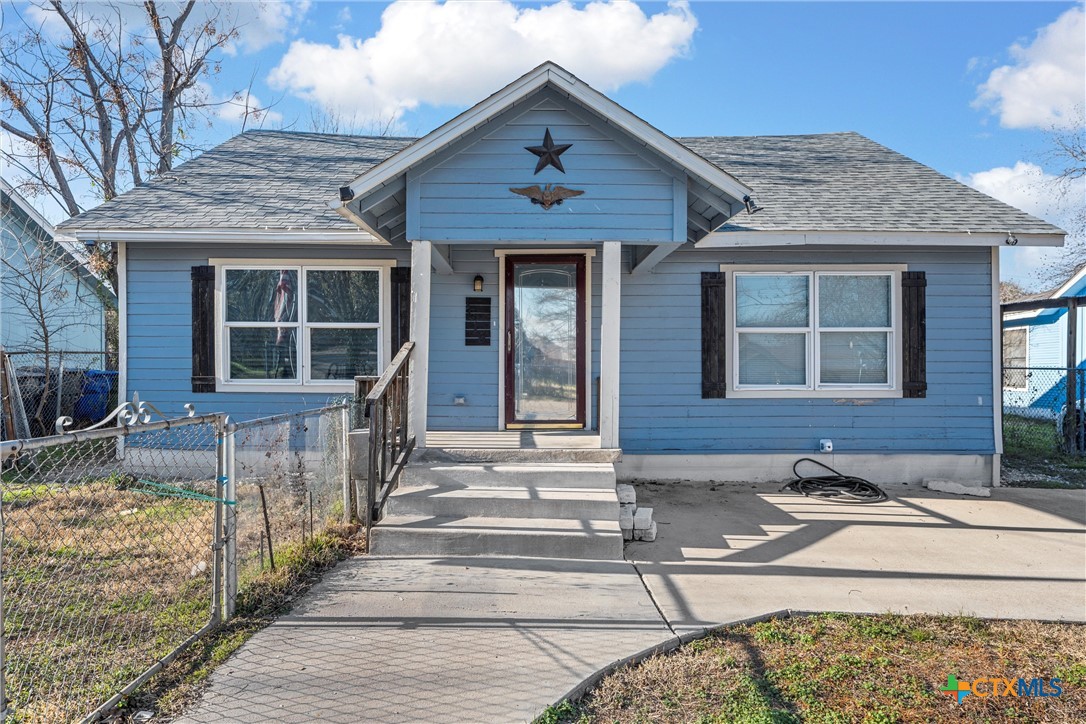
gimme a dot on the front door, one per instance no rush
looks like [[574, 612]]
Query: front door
[[545, 341]]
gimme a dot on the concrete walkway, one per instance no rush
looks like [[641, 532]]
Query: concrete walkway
[[499, 639], [430, 640], [731, 552]]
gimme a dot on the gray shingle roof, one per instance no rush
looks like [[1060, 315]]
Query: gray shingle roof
[[259, 179], [846, 182], [827, 182]]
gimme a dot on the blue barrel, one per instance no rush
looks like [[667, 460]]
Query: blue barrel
[[93, 402]]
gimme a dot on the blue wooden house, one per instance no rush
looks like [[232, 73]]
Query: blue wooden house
[[711, 307], [1036, 358]]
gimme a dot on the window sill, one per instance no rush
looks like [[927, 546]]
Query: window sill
[[856, 394], [291, 389]]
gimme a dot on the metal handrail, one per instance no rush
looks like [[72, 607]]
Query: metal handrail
[[390, 442]]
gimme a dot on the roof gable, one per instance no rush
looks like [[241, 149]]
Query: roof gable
[[382, 201]]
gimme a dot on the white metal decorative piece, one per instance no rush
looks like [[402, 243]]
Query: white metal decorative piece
[[127, 414]]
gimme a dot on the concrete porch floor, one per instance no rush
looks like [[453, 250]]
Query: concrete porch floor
[[514, 439]]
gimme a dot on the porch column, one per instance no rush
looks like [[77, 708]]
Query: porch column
[[421, 259], [609, 343]]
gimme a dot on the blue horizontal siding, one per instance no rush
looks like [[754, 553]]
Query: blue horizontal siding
[[472, 372], [661, 406], [160, 324], [465, 195]]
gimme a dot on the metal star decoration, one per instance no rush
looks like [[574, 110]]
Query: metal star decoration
[[549, 152]]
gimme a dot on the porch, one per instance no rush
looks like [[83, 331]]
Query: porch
[[483, 373]]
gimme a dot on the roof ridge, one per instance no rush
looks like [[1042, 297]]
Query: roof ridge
[[320, 134]]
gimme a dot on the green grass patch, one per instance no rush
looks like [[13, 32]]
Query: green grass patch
[[837, 668]]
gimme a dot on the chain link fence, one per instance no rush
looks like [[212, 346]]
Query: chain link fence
[[48, 385], [122, 545], [291, 481], [1044, 436], [109, 542]]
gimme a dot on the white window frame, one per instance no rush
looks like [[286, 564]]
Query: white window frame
[[1002, 352], [813, 388], [305, 383]]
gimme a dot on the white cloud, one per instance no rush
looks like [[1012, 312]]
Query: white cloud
[[1047, 80], [343, 18], [1028, 187], [259, 23], [455, 53], [266, 22], [1025, 186]]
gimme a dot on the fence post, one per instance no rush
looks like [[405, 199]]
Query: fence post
[[230, 545], [1070, 419], [217, 533], [348, 490], [358, 468]]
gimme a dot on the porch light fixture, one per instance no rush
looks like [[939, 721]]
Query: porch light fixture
[[477, 285], [752, 208]]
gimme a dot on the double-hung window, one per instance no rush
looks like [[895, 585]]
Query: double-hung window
[[814, 330], [300, 325]]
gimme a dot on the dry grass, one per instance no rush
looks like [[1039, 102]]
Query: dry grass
[[845, 668], [100, 580], [265, 596]]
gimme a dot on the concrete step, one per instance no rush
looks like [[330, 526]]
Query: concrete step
[[477, 536], [504, 502], [517, 475], [523, 455]]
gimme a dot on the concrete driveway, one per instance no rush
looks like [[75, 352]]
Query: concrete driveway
[[730, 552], [387, 639]]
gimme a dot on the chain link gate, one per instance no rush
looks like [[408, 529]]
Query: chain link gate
[[111, 544]]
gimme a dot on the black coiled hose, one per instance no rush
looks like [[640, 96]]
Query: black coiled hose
[[836, 488]]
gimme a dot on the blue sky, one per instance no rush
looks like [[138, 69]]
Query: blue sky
[[907, 75]]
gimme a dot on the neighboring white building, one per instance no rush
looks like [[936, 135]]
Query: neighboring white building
[[36, 268]]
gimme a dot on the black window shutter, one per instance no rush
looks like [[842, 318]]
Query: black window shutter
[[203, 329], [914, 334], [401, 307], [713, 334]]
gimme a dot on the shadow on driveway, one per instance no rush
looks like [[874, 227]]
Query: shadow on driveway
[[727, 552]]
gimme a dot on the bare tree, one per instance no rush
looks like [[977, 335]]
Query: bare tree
[[113, 100], [1067, 153], [323, 120], [1010, 291]]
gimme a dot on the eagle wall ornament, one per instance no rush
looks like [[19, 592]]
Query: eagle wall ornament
[[547, 197]]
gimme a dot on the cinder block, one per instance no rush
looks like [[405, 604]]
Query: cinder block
[[625, 517], [626, 493], [642, 518], [649, 534], [946, 486], [627, 534]]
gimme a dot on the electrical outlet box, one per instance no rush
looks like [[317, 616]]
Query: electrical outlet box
[[460, 400], [825, 446]]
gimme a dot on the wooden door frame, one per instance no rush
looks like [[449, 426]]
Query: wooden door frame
[[580, 260]]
